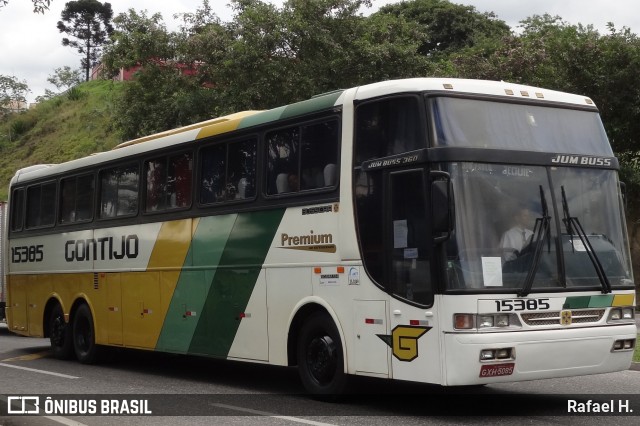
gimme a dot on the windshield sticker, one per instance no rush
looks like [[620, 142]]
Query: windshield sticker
[[492, 271], [578, 245], [354, 276], [400, 233]]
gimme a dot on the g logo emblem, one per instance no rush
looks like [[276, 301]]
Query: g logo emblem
[[404, 341]]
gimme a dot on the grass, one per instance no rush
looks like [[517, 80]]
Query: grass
[[58, 130], [636, 354]]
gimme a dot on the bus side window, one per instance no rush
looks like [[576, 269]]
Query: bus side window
[[76, 199], [388, 127], [319, 153], [241, 172], [283, 160], [41, 205], [228, 171], [303, 157], [119, 191], [168, 182], [17, 210]]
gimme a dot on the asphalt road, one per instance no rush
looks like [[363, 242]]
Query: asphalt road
[[200, 391]]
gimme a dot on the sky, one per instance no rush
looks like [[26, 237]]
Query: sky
[[31, 45]]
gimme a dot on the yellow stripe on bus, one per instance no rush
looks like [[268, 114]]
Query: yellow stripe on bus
[[623, 300], [146, 297]]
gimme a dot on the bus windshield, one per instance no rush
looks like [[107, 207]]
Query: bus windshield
[[472, 123], [509, 215]]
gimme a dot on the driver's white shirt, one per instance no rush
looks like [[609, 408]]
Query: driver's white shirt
[[515, 239]]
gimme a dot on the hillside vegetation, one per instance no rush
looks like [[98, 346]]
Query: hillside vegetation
[[69, 126]]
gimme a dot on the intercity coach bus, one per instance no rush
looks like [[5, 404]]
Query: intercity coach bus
[[359, 232]]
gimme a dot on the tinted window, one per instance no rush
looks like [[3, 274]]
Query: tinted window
[[303, 157], [119, 191], [228, 172], [17, 210], [76, 199], [485, 124], [388, 127], [169, 182], [41, 205]]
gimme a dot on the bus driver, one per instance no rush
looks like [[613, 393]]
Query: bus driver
[[518, 236]]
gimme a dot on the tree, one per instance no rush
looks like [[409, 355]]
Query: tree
[[447, 27], [39, 6], [89, 22], [65, 77], [269, 57], [12, 91], [137, 40]]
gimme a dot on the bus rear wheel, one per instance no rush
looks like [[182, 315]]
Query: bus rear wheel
[[60, 334], [84, 337], [320, 357]]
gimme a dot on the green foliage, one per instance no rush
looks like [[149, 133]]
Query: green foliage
[[11, 90], [447, 27], [39, 6], [159, 99], [89, 23], [60, 130], [19, 126], [65, 77], [75, 94], [137, 40]]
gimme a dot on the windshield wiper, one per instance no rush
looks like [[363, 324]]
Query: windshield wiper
[[540, 230], [572, 223]]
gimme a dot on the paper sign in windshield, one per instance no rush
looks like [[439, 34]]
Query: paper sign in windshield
[[492, 271]]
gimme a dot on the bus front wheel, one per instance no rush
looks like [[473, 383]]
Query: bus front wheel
[[84, 337], [320, 356], [60, 334]]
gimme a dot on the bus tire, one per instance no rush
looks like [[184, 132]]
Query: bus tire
[[84, 336], [60, 334], [320, 357]]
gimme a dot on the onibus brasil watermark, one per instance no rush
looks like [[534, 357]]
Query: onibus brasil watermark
[[70, 406]]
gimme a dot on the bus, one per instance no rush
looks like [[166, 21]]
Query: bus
[[359, 232], [3, 290]]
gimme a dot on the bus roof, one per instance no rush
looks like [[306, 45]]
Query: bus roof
[[247, 119]]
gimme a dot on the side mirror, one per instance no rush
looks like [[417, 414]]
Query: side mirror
[[442, 206], [623, 192]]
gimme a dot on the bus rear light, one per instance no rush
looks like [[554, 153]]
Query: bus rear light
[[463, 321]]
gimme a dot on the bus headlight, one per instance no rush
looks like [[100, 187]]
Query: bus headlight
[[624, 345], [485, 322], [497, 354], [623, 314]]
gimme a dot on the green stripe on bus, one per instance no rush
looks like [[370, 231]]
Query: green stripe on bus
[[584, 302], [603, 301], [233, 281], [319, 103], [576, 302], [193, 285]]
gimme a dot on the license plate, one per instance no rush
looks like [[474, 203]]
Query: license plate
[[495, 370]]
